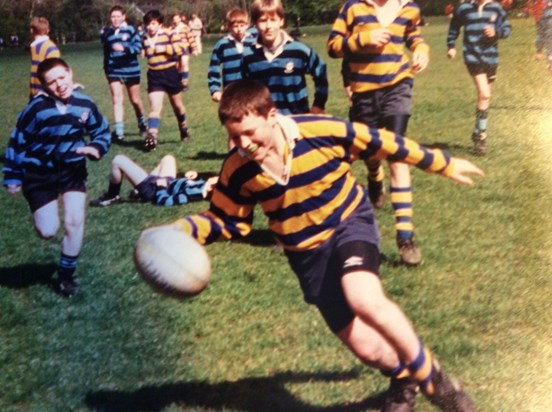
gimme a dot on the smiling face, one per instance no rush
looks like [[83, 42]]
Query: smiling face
[[254, 134], [117, 18], [58, 81], [269, 26]]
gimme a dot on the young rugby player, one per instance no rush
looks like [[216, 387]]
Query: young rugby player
[[46, 160], [41, 48], [298, 169]]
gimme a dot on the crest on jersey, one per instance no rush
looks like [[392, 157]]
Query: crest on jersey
[[289, 67], [84, 117]]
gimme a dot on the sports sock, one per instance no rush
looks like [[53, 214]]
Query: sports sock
[[400, 372], [181, 121], [401, 202], [481, 120], [421, 369], [67, 266], [141, 120], [153, 124], [375, 172], [114, 189], [119, 128]]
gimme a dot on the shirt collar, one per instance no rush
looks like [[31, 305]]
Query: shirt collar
[[40, 39]]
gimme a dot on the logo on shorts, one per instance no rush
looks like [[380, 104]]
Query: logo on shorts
[[353, 261], [289, 68]]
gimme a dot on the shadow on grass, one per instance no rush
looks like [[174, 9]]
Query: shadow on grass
[[202, 155], [250, 394], [466, 149], [24, 276]]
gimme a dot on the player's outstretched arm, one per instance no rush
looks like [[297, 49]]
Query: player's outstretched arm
[[461, 169]]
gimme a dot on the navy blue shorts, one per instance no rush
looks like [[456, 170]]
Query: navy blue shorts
[[40, 188], [147, 188], [373, 107], [127, 81], [353, 246], [167, 81], [483, 68]]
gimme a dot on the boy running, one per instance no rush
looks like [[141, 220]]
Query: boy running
[[122, 45], [298, 169], [46, 160], [372, 36], [484, 22], [163, 49]]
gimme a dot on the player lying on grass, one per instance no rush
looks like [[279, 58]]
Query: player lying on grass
[[160, 186], [298, 169], [46, 159]]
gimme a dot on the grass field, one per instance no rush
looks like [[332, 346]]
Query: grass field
[[481, 298]]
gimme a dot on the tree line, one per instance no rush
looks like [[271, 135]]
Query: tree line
[[78, 21]]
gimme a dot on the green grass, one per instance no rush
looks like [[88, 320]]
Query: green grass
[[481, 299]]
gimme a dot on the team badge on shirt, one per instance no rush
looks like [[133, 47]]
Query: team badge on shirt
[[289, 67], [84, 117]]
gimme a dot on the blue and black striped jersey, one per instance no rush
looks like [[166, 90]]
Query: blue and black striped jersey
[[180, 191], [284, 73], [321, 191], [226, 60], [48, 132], [477, 47], [122, 64]]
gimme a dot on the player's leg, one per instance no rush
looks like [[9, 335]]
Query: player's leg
[[412, 364], [133, 90], [180, 112], [154, 118], [166, 167], [365, 109], [400, 194], [479, 135], [73, 218], [117, 97], [46, 220]]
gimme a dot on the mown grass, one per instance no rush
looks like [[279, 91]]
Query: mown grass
[[481, 299]]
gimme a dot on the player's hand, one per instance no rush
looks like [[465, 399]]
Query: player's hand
[[489, 31], [185, 84], [316, 110], [89, 151], [209, 186], [13, 189], [376, 37], [420, 60], [451, 53], [461, 168], [191, 174], [216, 96], [118, 47]]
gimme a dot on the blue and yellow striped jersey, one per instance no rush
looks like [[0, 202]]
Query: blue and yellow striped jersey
[[284, 72], [321, 191], [373, 68], [122, 64], [42, 48], [477, 47], [174, 47], [48, 132], [225, 65]]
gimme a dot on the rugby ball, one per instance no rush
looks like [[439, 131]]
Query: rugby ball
[[172, 262]]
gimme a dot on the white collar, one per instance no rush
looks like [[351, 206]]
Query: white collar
[[39, 39]]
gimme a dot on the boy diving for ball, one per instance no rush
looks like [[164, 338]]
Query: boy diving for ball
[[161, 186], [298, 169]]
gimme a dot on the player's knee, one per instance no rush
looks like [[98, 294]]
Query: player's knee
[[48, 230], [119, 159]]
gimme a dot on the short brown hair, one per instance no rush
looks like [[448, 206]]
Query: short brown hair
[[244, 97], [260, 7], [48, 64], [40, 25], [117, 8], [237, 15]]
